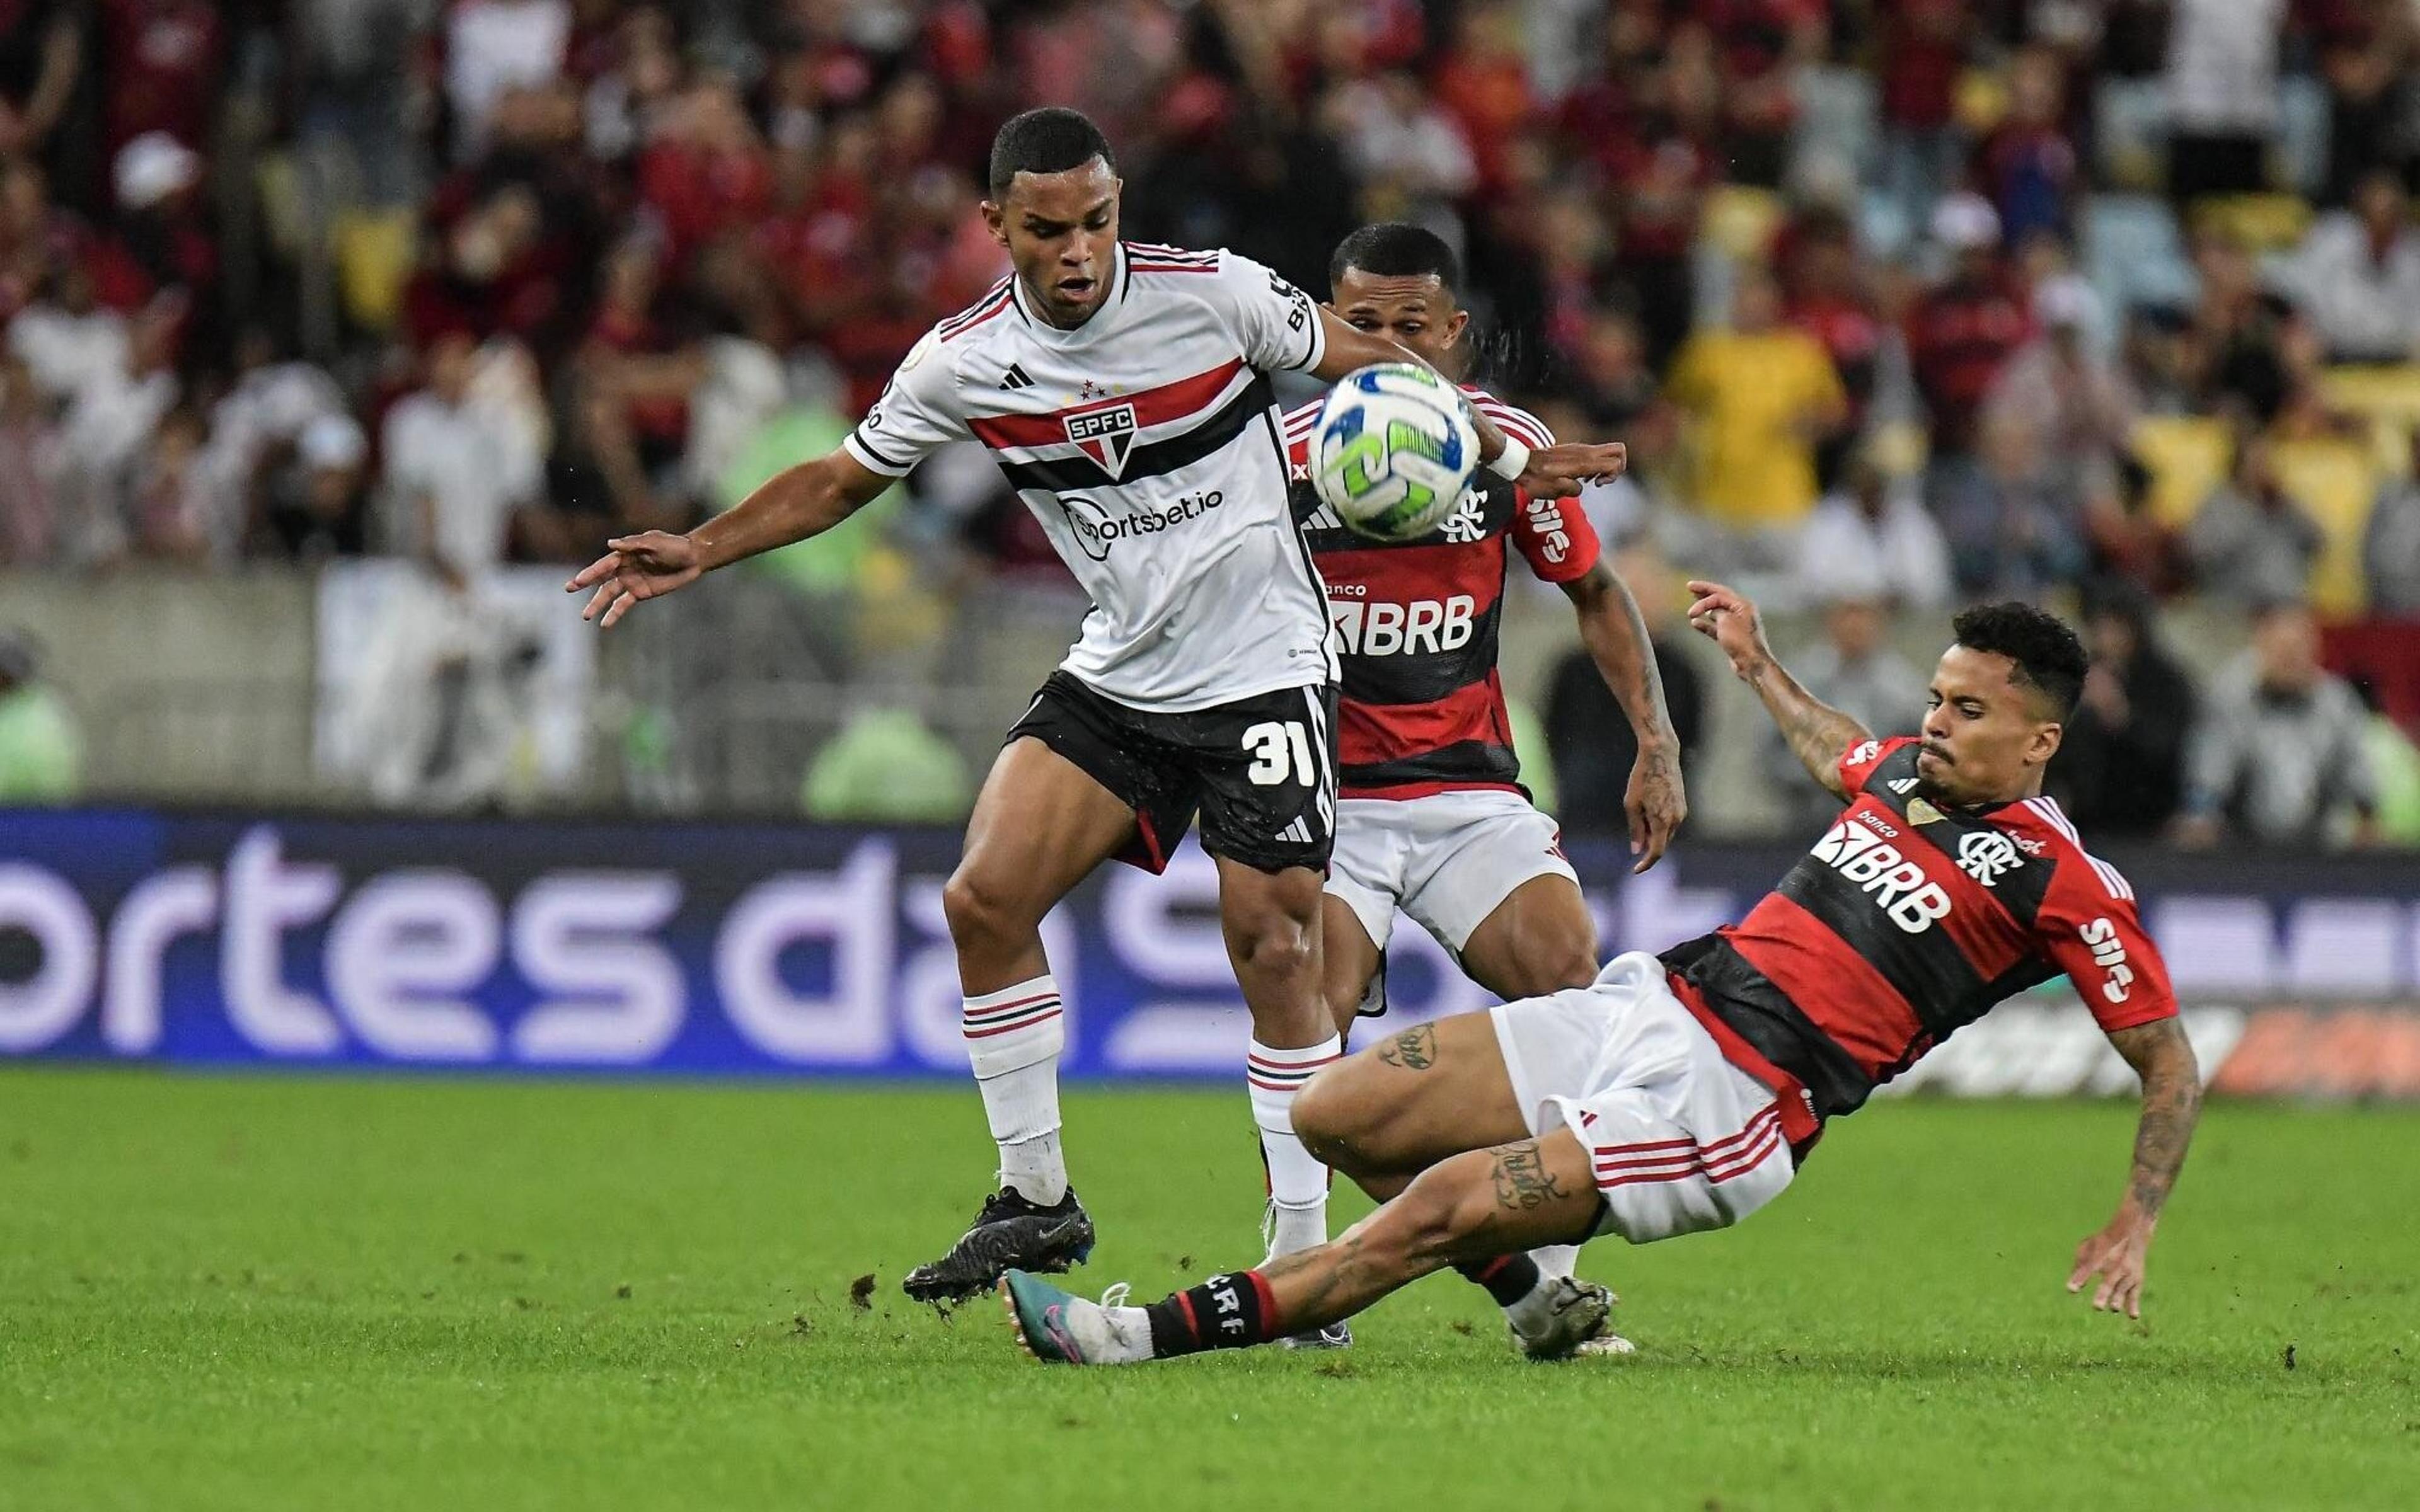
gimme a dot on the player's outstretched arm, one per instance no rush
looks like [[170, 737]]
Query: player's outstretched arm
[[2163, 1058], [1555, 472], [1819, 734], [1615, 634], [794, 503]]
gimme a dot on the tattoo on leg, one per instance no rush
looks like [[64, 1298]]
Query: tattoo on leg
[[1522, 1181], [1415, 1049]]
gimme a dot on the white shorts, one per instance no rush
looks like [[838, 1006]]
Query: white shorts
[[1682, 1140], [1446, 859]]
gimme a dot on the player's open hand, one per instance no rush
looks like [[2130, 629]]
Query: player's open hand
[[2117, 1256], [1728, 618], [1656, 804], [1562, 469], [635, 568]]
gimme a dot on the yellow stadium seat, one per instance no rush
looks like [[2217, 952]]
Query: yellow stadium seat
[[2389, 399], [2337, 481], [374, 251], [2258, 222], [2187, 457], [1742, 221]]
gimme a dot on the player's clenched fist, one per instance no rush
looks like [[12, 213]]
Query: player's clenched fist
[[1728, 618], [635, 568], [1562, 469]]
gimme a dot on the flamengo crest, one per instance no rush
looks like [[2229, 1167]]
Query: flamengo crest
[[1106, 436], [1984, 853]]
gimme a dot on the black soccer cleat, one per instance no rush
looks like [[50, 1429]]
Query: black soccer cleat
[[1010, 1233]]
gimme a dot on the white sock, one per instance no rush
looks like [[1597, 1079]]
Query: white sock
[[1555, 1260], [1014, 1037], [1297, 1182]]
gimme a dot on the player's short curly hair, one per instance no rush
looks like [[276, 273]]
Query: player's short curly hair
[[1052, 139], [1397, 249], [2047, 654]]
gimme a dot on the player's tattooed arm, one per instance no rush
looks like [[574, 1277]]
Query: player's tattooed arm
[[2163, 1058], [1615, 634], [1522, 1181], [1817, 733], [2118, 1255]]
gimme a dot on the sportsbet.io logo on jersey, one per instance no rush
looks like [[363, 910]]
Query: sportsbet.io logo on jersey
[[1097, 530], [1858, 849]]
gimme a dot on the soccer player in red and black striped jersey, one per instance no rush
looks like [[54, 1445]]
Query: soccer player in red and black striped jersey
[[1431, 816], [1683, 1093]]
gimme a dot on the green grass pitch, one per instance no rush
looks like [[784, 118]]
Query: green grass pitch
[[258, 1292]]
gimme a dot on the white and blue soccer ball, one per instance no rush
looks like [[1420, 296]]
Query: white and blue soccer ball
[[1393, 450]]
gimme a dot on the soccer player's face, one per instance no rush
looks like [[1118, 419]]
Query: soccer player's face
[[1061, 230], [1416, 311], [1985, 736]]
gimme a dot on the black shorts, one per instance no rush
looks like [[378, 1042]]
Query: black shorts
[[1261, 771]]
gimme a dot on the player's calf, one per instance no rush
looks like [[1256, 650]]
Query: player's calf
[[1474, 1206]]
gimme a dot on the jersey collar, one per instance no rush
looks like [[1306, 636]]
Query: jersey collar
[[1119, 279]]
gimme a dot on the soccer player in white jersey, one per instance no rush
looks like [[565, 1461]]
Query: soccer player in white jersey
[[1431, 817], [1123, 390]]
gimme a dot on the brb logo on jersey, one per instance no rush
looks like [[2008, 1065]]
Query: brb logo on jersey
[[1985, 853], [1897, 886], [1424, 626], [1106, 436]]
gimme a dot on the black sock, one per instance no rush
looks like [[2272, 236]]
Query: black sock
[[1226, 1312], [1508, 1277]]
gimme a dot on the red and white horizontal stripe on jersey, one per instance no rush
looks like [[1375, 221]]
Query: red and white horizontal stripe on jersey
[[1821, 949], [1411, 721]]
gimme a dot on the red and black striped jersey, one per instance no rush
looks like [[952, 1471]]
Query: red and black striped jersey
[[1421, 705], [1907, 921]]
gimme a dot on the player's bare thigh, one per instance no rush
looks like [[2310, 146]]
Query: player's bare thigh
[[1040, 826], [1415, 1098], [1540, 939], [1349, 961]]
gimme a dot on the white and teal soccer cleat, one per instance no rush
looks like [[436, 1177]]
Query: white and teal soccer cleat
[[1574, 1325], [1057, 1327]]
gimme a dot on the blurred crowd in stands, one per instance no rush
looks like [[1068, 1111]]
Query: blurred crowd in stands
[[1897, 303]]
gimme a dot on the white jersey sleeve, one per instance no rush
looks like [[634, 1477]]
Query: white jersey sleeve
[[919, 412], [1274, 324]]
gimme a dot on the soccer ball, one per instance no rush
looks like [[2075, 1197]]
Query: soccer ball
[[1393, 450]]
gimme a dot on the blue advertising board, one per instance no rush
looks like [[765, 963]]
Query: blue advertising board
[[774, 948]]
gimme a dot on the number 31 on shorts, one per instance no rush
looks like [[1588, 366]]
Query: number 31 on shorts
[[1280, 754]]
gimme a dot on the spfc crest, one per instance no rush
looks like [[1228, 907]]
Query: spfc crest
[[1106, 436]]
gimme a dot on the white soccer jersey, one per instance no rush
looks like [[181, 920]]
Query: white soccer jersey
[[1146, 442]]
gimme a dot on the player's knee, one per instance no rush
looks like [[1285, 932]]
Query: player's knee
[[1333, 1121], [1552, 967], [981, 914], [1272, 943]]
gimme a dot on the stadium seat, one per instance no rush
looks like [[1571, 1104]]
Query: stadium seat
[[374, 251], [2302, 131], [2130, 121], [2389, 399], [1741, 221], [2336, 481], [2134, 255], [2187, 457], [2260, 223]]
